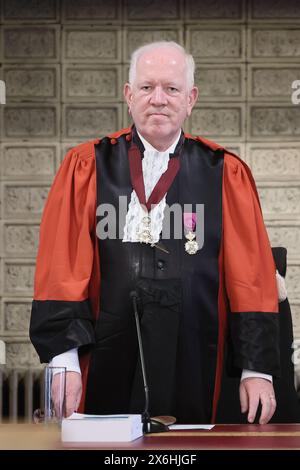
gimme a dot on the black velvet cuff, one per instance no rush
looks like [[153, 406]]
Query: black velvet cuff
[[255, 341], [279, 255], [57, 326]]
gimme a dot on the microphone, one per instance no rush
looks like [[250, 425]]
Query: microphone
[[150, 425]]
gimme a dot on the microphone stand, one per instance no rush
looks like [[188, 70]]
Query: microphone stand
[[150, 425]]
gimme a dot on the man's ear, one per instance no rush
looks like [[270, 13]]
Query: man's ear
[[193, 96], [127, 91]]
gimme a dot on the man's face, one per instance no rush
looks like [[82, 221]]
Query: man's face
[[159, 100]]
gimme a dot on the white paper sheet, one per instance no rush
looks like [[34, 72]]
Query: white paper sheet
[[85, 416], [180, 427]]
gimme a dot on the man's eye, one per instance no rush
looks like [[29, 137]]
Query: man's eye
[[172, 89], [146, 87]]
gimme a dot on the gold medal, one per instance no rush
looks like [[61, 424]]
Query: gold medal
[[144, 230], [145, 237]]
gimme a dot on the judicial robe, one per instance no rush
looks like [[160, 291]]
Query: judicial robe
[[194, 309]]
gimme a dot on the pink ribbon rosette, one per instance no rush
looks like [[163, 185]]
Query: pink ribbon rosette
[[189, 221]]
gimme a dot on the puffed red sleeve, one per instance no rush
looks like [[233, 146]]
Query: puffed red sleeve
[[249, 272], [61, 317]]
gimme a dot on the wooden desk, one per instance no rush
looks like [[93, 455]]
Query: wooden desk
[[280, 436]]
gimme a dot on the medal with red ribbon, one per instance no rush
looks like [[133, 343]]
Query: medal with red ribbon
[[189, 221], [159, 190]]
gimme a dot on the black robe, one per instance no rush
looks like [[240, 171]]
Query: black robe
[[191, 306]]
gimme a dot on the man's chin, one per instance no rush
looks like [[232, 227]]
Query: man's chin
[[163, 124], [159, 130]]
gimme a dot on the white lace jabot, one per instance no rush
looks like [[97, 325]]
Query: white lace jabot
[[154, 164]]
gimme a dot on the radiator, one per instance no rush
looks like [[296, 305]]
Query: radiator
[[21, 392]]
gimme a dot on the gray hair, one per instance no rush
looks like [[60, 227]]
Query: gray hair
[[189, 60]]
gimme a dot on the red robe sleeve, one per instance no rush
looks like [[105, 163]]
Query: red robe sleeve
[[62, 316], [249, 273]]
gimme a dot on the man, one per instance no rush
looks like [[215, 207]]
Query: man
[[196, 300]]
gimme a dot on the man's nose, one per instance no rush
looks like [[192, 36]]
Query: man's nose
[[158, 96]]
